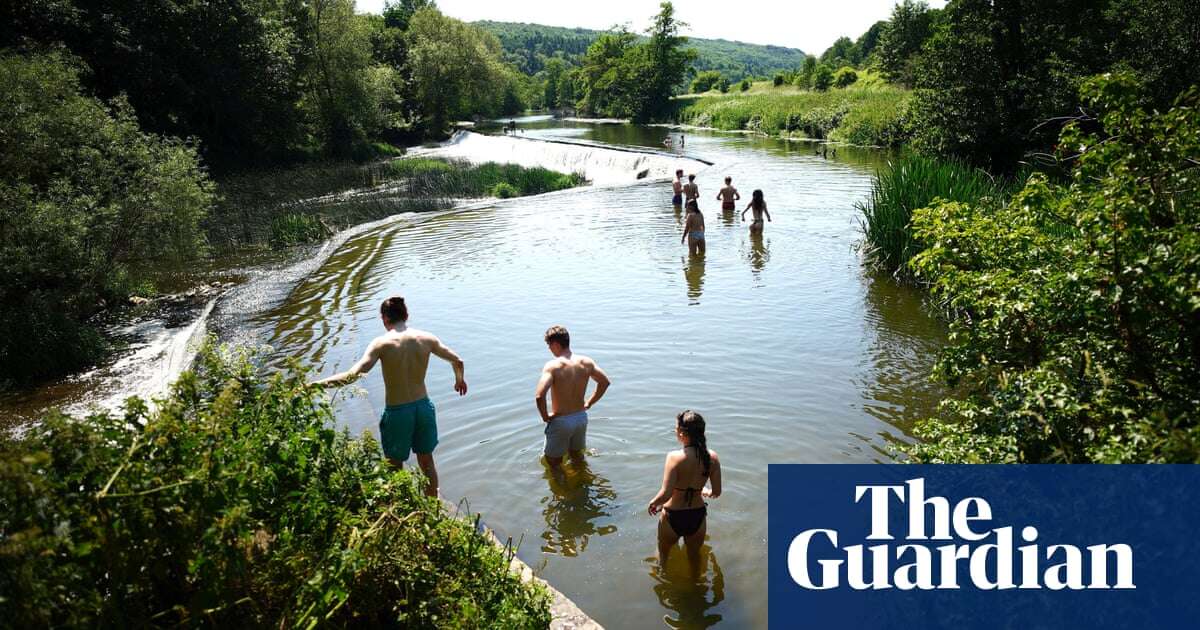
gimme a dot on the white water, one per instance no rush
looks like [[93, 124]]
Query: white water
[[602, 166]]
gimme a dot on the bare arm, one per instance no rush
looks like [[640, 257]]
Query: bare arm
[[737, 196], [543, 387], [714, 478], [766, 213], [363, 366], [441, 351], [745, 211], [602, 384], [664, 493]]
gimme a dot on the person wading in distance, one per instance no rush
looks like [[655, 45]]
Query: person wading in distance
[[409, 423], [565, 378]]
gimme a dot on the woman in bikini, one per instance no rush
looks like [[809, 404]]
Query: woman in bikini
[[680, 504], [759, 205], [693, 229]]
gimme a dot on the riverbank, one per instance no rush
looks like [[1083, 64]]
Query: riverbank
[[874, 117]]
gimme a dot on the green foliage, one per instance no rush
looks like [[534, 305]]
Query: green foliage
[[505, 190], [442, 178], [900, 43], [841, 53], [706, 81], [295, 228], [530, 46], [905, 186], [1077, 336], [867, 117], [844, 77], [822, 78], [744, 85], [778, 80], [84, 195], [234, 503]]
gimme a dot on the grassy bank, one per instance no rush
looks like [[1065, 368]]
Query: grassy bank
[[234, 503], [283, 207], [872, 115]]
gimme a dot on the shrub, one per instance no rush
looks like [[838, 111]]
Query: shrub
[[505, 190], [84, 195], [706, 81], [1077, 337], [234, 503], [744, 85], [777, 81], [845, 77], [822, 78], [904, 186], [295, 229]]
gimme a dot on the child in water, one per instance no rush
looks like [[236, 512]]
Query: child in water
[[693, 228], [680, 504], [759, 205]]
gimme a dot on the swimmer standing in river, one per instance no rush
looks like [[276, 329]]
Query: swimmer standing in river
[[693, 228], [409, 423], [728, 195], [677, 188], [759, 205], [565, 378], [691, 191], [679, 503]]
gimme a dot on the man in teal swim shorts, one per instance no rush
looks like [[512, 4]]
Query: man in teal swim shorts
[[409, 423], [566, 378]]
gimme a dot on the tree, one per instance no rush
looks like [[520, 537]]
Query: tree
[[668, 64], [85, 195], [705, 81], [744, 85], [1081, 341], [339, 99], [841, 53], [868, 42], [899, 44], [822, 78]]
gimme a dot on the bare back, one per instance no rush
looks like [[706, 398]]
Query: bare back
[[691, 190], [404, 359], [687, 471], [694, 222], [568, 382], [729, 194]]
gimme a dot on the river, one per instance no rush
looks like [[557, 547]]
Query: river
[[790, 350], [787, 347]]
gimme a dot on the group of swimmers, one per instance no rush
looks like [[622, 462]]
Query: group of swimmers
[[693, 224], [409, 420]]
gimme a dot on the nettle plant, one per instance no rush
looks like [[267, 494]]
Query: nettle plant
[[1075, 333]]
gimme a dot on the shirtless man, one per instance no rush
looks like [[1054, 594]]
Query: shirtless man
[[728, 195], [690, 190], [566, 378], [677, 189], [409, 421]]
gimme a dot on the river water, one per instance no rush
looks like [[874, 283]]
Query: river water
[[788, 348]]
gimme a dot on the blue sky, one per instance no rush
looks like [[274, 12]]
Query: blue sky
[[811, 25]]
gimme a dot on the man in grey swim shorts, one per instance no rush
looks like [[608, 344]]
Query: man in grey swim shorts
[[565, 378]]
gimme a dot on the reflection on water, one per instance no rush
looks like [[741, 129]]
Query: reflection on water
[[759, 253], [728, 216], [693, 272], [689, 591], [579, 504]]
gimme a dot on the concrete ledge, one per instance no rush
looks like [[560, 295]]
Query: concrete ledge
[[564, 613]]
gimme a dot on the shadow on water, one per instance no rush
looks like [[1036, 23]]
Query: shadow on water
[[578, 502], [689, 592], [693, 273]]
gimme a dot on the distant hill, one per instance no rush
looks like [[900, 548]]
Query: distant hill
[[528, 46]]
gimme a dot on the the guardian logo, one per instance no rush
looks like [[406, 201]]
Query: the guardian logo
[[986, 558]]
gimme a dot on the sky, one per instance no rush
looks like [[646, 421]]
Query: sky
[[810, 25]]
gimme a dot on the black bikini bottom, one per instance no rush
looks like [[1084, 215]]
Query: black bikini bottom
[[686, 522]]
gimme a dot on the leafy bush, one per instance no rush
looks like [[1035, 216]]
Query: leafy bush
[[845, 77], [777, 81], [706, 81], [744, 85], [1078, 302], [442, 178], [904, 186], [505, 190], [234, 503], [822, 78], [84, 195]]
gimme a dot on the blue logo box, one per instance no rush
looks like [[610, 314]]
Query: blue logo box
[[941, 546]]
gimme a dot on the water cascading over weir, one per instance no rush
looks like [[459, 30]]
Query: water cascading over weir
[[602, 166]]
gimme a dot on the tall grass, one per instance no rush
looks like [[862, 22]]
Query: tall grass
[[434, 177], [868, 117], [907, 184]]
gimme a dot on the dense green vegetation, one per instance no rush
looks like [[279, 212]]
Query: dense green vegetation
[[84, 195], [868, 116], [234, 503], [1075, 334], [530, 46]]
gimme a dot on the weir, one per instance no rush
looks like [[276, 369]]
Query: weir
[[601, 165]]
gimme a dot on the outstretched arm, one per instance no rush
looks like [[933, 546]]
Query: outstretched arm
[[602, 384], [543, 387], [460, 380], [363, 366], [664, 493]]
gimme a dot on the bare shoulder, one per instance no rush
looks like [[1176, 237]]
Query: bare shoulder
[[585, 360], [551, 365], [713, 454]]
